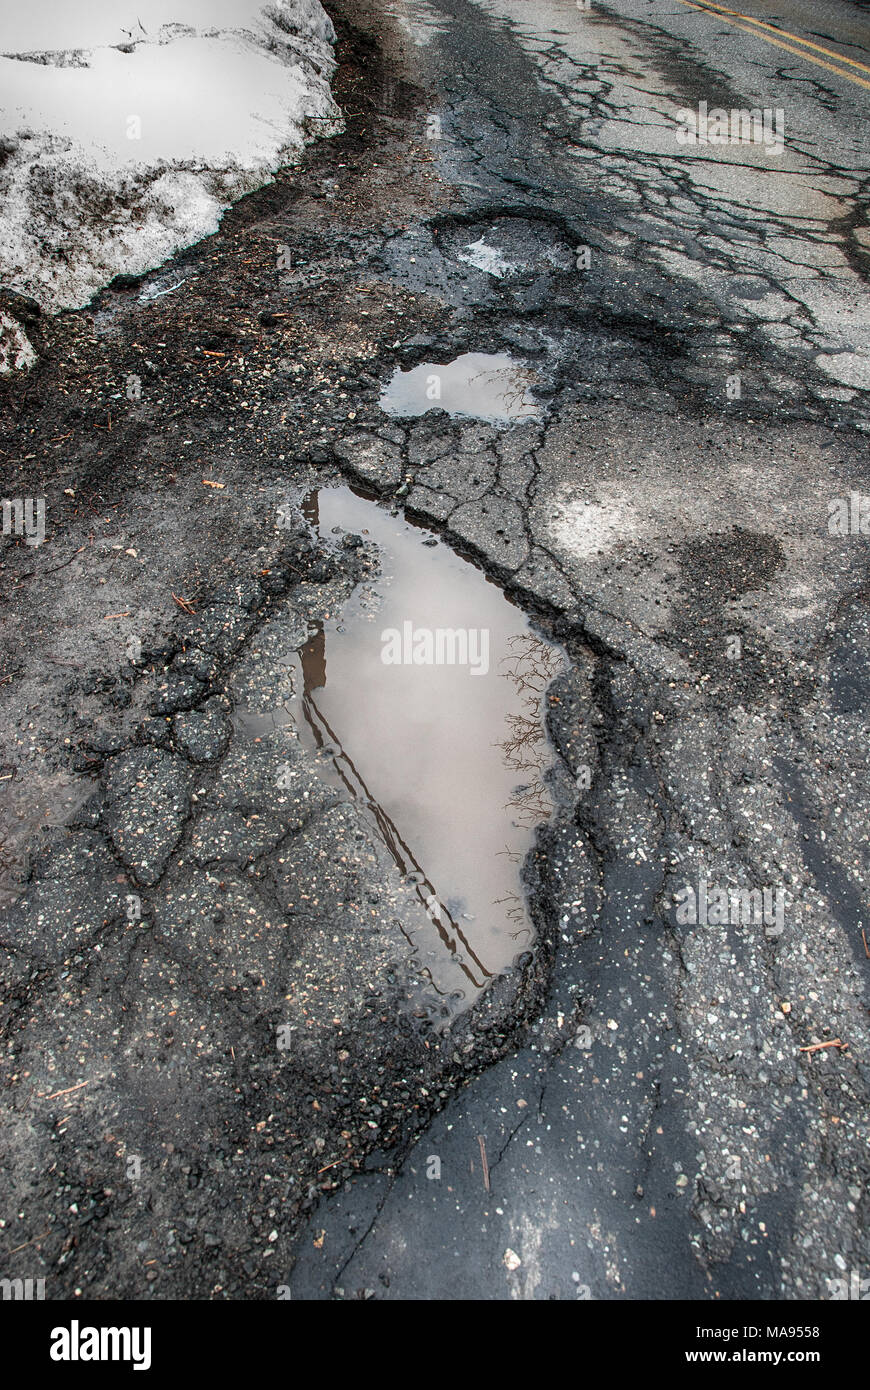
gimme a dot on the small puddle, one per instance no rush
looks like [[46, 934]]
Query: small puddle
[[26, 806], [423, 698], [485, 257], [484, 386]]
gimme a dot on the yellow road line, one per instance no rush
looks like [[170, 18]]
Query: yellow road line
[[784, 33], [819, 62]]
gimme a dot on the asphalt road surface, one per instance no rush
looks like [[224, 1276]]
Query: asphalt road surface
[[667, 1097], [680, 1152]]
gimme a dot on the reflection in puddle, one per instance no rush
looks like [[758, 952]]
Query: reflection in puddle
[[485, 257], [27, 805], [432, 752], [485, 386]]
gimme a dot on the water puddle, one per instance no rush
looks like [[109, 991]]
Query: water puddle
[[485, 257], [484, 386], [423, 699], [26, 806]]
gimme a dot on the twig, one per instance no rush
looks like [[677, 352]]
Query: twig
[[28, 574], [866, 947], [481, 1141], [22, 1108], [815, 1047], [336, 1161], [30, 1242], [66, 562], [67, 1092]]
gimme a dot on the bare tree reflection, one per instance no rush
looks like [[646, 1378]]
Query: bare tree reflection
[[515, 389], [531, 666]]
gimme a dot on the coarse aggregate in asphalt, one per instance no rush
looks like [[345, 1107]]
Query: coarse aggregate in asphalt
[[206, 972]]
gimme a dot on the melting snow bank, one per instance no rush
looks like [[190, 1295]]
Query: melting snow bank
[[127, 127]]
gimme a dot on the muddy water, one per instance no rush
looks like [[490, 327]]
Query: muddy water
[[448, 759]]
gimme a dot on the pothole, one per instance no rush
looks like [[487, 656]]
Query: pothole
[[508, 245], [479, 385], [423, 699], [485, 257]]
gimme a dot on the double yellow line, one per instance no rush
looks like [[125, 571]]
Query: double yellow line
[[764, 31]]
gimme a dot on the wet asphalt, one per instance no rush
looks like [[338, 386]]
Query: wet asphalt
[[648, 1106], [602, 1160]]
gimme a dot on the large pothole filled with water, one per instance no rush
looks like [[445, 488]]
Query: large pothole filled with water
[[422, 699]]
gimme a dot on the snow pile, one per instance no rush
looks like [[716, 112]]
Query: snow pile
[[127, 127]]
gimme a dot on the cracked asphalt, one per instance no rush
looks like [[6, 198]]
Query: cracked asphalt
[[206, 971]]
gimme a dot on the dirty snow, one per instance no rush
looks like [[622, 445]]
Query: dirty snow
[[129, 128], [16, 352]]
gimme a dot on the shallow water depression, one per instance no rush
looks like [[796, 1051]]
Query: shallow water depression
[[424, 698], [480, 385]]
